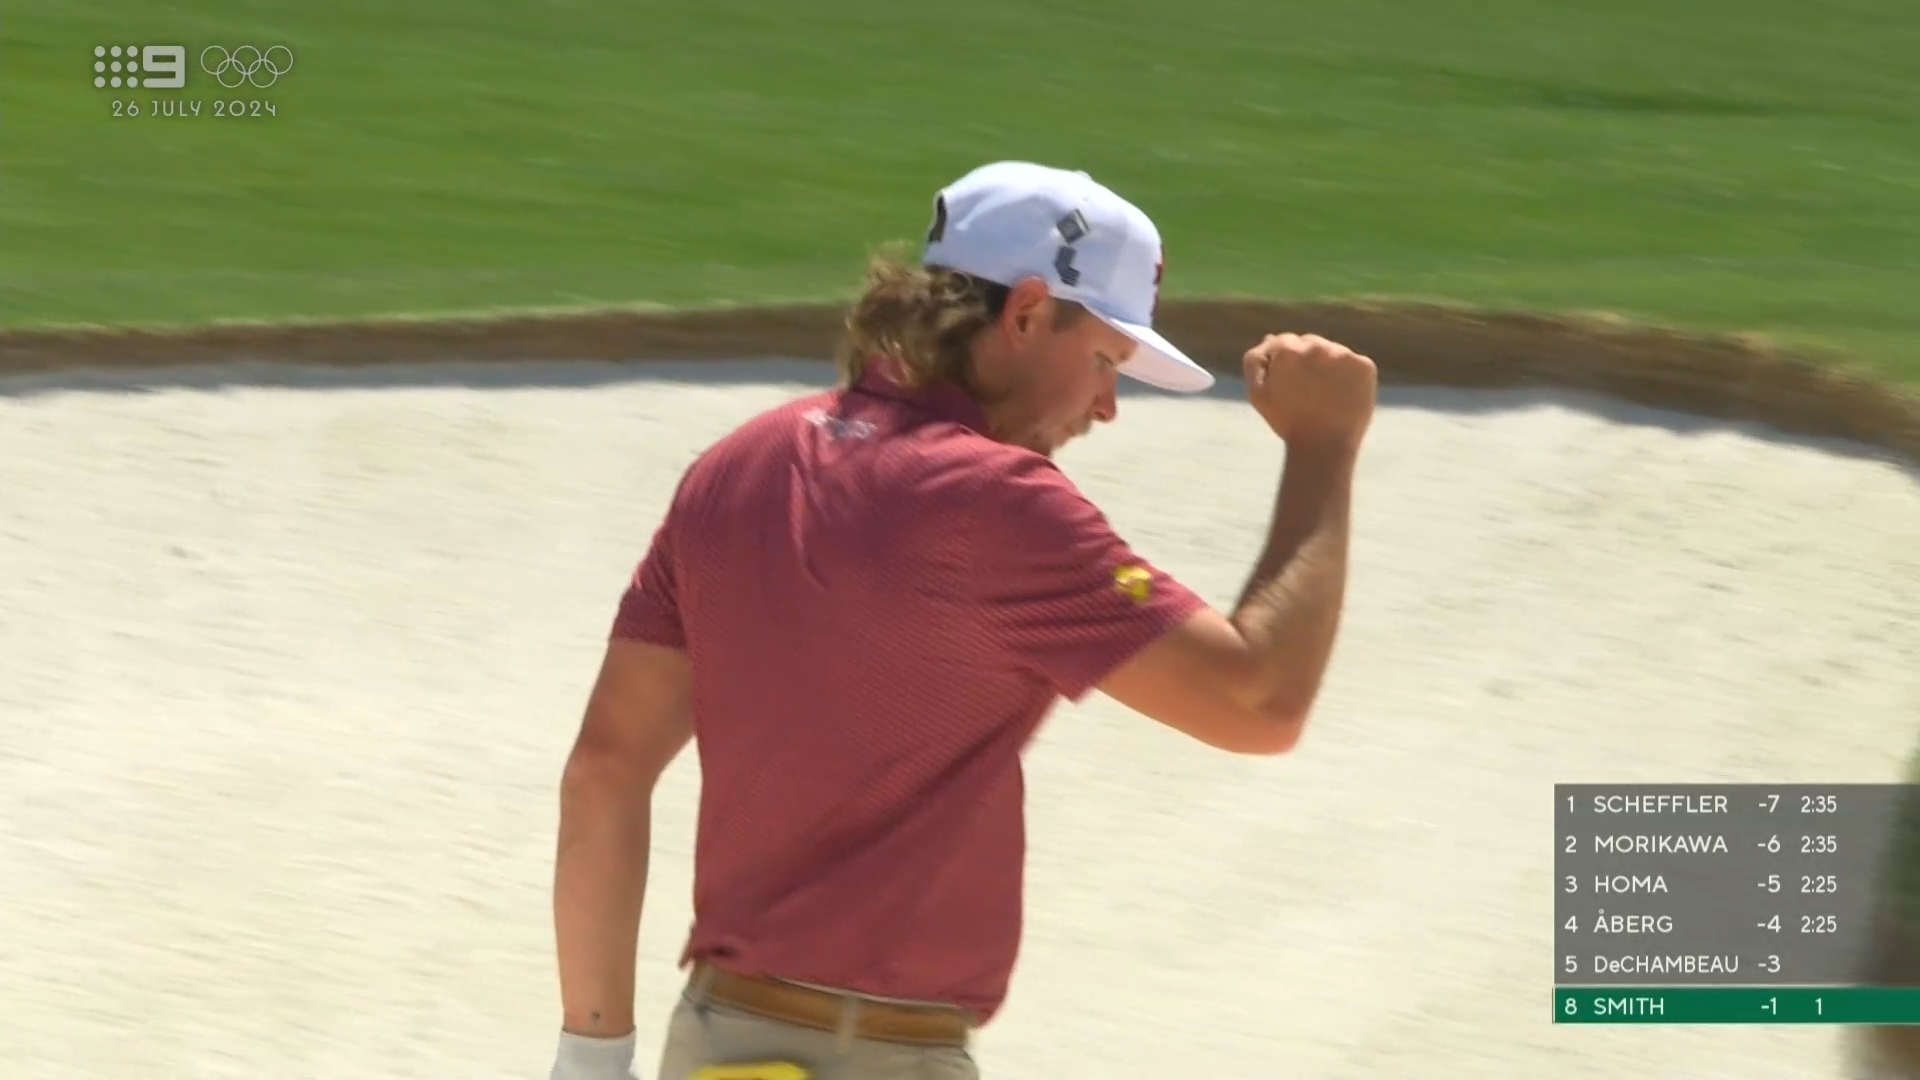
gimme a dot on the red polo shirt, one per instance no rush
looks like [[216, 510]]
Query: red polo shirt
[[880, 604]]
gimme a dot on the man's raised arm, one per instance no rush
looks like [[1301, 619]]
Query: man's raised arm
[[1247, 682]]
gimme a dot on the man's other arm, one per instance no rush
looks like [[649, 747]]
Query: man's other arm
[[638, 718]]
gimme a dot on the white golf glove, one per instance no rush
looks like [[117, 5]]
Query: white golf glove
[[582, 1057]]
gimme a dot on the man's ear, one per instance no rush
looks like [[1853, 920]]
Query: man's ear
[[1026, 306]]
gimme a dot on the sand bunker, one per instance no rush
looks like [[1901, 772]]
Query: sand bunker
[[287, 673]]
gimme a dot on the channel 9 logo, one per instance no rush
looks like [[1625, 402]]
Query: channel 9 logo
[[157, 67]]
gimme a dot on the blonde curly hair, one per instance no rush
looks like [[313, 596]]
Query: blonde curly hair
[[925, 319]]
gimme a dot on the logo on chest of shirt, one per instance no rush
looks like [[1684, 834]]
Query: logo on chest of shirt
[[1133, 582]]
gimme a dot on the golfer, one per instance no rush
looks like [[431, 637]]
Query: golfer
[[861, 605]]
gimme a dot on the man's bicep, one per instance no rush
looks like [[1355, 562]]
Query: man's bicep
[[1196, 679]]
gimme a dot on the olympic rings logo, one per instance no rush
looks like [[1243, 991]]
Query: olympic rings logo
[[246, 64]]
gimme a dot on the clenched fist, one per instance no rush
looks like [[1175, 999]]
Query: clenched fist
[[1311, 391]]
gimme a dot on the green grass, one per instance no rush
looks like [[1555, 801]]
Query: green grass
[[1750, 165]]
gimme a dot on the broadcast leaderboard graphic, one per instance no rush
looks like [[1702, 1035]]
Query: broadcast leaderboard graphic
[[1725, 904]]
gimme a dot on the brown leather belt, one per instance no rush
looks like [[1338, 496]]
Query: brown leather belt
[[882, 1021]]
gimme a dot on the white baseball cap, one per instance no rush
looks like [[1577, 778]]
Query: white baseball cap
[[1015, 219]]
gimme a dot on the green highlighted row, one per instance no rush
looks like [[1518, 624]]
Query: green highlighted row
[[1737, 1005]]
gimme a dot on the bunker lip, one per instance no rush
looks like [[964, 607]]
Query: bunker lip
[[1730, 378]]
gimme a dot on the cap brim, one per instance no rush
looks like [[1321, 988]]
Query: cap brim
[[1157, 363]]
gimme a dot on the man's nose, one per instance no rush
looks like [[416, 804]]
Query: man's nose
[[1106, 407]]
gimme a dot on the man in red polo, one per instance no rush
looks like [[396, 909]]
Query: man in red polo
[[860, 607]]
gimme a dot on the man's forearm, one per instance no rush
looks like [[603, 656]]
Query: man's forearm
[[600, 884], [1289, 611]]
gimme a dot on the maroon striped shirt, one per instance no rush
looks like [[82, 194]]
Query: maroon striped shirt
[[880, 604]]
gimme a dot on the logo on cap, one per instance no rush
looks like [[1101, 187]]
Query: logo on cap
[[1072, 228]]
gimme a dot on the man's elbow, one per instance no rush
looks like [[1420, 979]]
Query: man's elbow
[[1277, 729], [1254, 726], [596, 773]]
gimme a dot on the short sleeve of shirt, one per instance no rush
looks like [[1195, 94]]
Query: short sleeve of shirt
[[650, 608], [1060, 590]]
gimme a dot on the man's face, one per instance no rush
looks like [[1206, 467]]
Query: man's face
[[1067, 380]]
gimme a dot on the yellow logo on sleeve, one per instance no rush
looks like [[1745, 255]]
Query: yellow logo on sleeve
[[1134, 581]]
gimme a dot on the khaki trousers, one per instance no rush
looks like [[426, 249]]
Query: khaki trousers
[[702, 1032]]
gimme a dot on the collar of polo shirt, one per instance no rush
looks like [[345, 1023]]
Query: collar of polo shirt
[[943, 399]]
